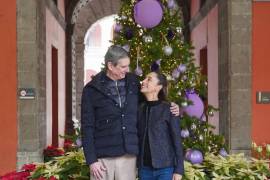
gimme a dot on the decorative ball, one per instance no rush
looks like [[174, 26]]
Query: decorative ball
[[184, 104], [170, 34], [193, 126], [197, 106], [201, 137], [211, 113], [78, 142], [123, 17], [170, 4], [167, 50], [147, 39], [175, 74], [196, 157], [188, 153], [128, 33], [184, 133], [182, 68], [203, 118], [184, 78], [138, 71], [179, 30], [148, 13], [154, 66], [118, 27], [126, 47], [158, 61], [223, 152]]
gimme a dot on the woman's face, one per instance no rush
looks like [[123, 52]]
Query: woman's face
[[150, 84]]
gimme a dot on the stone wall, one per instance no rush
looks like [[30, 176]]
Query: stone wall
[[31, 74], [31, 67], [235, 73]]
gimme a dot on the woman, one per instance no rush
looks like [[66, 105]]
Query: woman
[[161, 156]]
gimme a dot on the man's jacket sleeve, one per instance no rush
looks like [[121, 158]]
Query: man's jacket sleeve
[[88, 127]]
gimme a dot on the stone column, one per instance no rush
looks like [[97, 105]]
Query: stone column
[[235, 73], [31, 60]]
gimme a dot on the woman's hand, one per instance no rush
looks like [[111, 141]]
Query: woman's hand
[[97, 169], [174, 109], [177, 176]]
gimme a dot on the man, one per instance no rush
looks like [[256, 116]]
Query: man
[[109, 119]]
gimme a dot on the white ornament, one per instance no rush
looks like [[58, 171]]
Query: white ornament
[[179, 30], [167, 50], [184, 104]]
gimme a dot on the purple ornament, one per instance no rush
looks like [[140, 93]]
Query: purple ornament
[[203, 118], [188, 153], [158, 61], [154, 66], [129, 33], [223, 152], [184, 77], [78, 142], [171, 4], [196, 157], [170, 34], [184, 133], [197, 107], [126, 47], [118, 27], [138, 71], [148, 13], [175, 74], [182, 68]]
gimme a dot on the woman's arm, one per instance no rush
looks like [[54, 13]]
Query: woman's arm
[[177, 142]]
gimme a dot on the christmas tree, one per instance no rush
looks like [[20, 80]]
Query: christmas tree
[[151, 31]]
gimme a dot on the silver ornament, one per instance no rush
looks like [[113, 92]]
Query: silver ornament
[[123, 17], [211, 113], [193, 126], [167, 50], [184, 104], [179, 30], [147, 39], [138, 71]]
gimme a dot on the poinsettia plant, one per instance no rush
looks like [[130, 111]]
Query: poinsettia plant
[[51, 151], [23, 174]]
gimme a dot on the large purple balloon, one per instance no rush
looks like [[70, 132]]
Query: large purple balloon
[[148, 13], [196, 157], [195, 109]]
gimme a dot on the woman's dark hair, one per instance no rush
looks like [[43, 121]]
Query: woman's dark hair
[[162, 80]]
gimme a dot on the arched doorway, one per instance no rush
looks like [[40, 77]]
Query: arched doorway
[[85, 13]]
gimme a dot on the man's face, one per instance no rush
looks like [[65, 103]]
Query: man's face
[[119, 71]]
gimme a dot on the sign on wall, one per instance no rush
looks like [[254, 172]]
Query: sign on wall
[[27, 93]]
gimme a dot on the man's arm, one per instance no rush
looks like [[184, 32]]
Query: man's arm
[[88, 125], [175, 110]]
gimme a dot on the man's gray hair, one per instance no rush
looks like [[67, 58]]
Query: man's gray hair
[[113, 55]]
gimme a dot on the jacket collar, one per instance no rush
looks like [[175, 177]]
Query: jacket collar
[[99, 80]]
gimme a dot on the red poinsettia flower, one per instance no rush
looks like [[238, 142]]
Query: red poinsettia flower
[[29, 167]]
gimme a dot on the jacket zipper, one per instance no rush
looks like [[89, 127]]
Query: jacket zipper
[[120, 104]]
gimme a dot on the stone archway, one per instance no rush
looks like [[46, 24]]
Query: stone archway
[[86, 12]]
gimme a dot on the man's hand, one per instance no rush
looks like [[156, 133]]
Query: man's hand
[[97, 169], [175, 109], [177, 176]]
